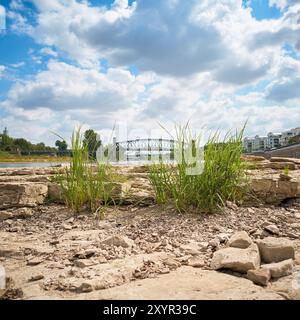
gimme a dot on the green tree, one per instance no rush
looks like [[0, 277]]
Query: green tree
[[6, 142], [91, 142], [61, 145], [40, 146], [23, 144]]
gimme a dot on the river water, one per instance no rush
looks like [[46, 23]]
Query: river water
[[28, 164]]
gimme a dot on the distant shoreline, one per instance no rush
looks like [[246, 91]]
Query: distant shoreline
[[34, 160]]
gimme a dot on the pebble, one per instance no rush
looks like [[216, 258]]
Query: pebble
[[34, 261], [36, 278], [272, 228]]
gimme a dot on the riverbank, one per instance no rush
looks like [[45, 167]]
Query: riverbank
[[140, 250], [29, 159]]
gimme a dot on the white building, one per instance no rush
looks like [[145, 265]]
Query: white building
[[248, 143], [255, 144], [273, 140], [287, 135], [259, 143]]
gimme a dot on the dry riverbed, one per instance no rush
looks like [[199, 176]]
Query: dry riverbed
[[139, 253], [144, 251]]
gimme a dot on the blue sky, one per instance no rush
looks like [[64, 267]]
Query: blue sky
[[98, 62]]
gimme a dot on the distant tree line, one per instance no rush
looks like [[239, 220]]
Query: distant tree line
[[21, 145], [17, 145]]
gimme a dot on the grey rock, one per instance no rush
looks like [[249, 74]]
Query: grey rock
[[236, 259], [214, 243], [240, 240], [36, 278], [84, 263], [275, 249], [279, 269], [118, 241], [35, 261], [259, 276], [17, 194], [196, 262], [272, 228], [84, 288]]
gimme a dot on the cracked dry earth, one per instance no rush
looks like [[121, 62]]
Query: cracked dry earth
[[138, 253]]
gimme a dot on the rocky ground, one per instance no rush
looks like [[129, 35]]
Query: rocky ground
[[136, 252], [144, 251]]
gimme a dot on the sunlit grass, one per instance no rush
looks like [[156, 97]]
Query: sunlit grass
[[223, 176], [84, 183]]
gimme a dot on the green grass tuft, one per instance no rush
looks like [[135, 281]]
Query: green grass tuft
[[85, 184], [223, 176]]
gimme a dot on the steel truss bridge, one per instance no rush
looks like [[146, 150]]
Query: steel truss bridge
[[150, 145], [145, 148]]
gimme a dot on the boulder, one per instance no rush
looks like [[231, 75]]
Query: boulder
[[240, 240], [279, 269], [274, 191], [22, 194], [54, 193], [259, 276], [118, 241], [236, 259], [275, 249]]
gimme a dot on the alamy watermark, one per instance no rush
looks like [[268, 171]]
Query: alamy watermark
[[2, 18], [146, 147]]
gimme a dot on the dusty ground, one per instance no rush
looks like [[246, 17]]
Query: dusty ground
[[163, 255]]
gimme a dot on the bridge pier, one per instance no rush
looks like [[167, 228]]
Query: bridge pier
[[160, 149], [149, 149]]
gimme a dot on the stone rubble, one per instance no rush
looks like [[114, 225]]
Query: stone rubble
[[49, 252], [276, 253]]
